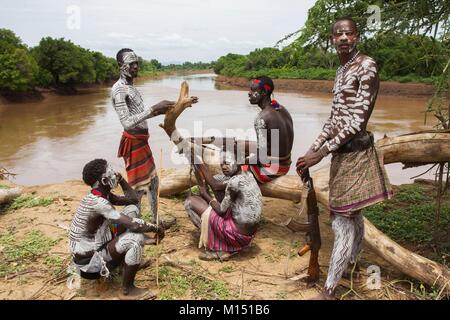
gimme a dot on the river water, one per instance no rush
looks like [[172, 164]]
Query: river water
[[50, 141]]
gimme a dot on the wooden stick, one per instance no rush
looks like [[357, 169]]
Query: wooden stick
[[157, 217], [286, 266], [241, 291]]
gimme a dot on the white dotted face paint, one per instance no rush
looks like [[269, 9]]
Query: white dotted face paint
[[127, 58], [109, 178], [229, 165]]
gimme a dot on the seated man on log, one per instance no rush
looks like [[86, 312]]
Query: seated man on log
[[274, 132], [229, 221], [93, 248], [270, 157]]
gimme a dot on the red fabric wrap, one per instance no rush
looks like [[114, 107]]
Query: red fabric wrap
[[136, 152], [266, 172]]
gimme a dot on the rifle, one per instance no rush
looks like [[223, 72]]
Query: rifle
[[312, 229]]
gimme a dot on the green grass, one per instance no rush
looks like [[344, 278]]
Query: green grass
[[207, 289], [147, 216], [54, 263], [411, 193], [176, 285], [409, 218], [271, 258], [194, 190], [227, 269], [4, 186], [17, 255], [27, 201], [153, 251], [281, 295], [263, 221]]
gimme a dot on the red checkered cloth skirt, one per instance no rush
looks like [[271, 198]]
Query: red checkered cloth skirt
[[139, 162]]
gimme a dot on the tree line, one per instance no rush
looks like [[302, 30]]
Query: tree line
[[410, 44], [61, 63]]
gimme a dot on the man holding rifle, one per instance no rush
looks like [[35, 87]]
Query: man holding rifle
[[357, 175]]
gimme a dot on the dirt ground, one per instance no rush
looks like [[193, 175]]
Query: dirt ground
[[388, 88], [263, 271]]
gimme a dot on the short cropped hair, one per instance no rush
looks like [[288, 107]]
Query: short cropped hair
[[93, 171], [345, 18], [119, 55]]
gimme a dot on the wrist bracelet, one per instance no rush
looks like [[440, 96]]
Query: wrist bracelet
[[214, 199]]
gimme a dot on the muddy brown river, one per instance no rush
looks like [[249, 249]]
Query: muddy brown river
[[50, 141]]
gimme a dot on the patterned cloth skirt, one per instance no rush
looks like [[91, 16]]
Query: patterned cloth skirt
[[138, 158], [223, 234], [357, 180]]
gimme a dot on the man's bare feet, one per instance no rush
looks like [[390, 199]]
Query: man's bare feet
[[168, 222], [324, 295], [216, 255], [135, 293], [149, 241]]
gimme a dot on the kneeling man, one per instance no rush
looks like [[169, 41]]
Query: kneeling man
[[93, 248]]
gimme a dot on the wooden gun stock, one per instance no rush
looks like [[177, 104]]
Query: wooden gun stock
[[313, 240]]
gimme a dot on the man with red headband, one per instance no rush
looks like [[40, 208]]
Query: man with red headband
[[134, 147], [274, 132]]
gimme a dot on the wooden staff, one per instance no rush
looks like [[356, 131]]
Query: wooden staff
[[157, 216]]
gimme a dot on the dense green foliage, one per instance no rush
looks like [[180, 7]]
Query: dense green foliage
[[189, 66], [54, 62], [17, 68], [61, 63], [411, 45], [400, 57], [155, 67]]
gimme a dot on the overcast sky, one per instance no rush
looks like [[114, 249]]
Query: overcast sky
[[167, 30]]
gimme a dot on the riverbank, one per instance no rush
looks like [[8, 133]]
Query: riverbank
[[40, 93], [34, 256], [387, 88]]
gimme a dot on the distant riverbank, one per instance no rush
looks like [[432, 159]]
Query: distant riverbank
[[387, 88], [41, 93]]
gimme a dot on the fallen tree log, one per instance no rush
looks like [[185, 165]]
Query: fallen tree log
[[431, 146], [8, 195], [419, 147]]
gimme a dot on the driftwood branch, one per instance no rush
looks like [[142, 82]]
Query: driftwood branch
[[184, 101]]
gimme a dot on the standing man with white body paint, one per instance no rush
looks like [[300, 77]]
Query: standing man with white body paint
[[357, 175], [134, 147]]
